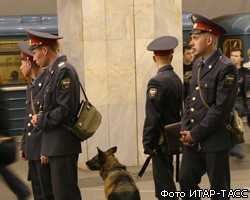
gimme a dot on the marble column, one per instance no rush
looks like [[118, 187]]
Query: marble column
[[106, 42]]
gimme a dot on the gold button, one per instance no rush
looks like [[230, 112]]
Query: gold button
[[197, 88], [205, 85], [192, 120], [193, 98], [29, 124], [192, 109], [210, 66], [30, 115], [29, 133]]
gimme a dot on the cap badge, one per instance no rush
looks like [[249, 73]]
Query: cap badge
[[194, 18]]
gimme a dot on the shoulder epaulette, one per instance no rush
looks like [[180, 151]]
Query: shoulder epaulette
[[225, 60], [61, 64]]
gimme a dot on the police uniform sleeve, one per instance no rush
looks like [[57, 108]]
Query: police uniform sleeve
[[22, 146], [226, 92], [186, 111], [152, 127]]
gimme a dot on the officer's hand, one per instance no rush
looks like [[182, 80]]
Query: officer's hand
[[34, 120], [150, 151], [22, 155], [187, 139], [44, 159]]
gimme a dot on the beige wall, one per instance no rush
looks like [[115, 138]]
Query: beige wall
[[215, 8], [27, 7]]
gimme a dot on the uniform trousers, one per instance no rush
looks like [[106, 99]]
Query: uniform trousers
[[64, 177], [195, 164], [163, 175], [40, 177]]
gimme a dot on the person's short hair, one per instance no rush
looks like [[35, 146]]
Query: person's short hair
[[186, 47], [52, 48], [248, 52], [237, 49], [14, 75]]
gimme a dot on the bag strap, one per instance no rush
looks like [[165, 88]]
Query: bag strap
[[85, 96], [199, 85], [32, 101], [228, 126], [67, 127]]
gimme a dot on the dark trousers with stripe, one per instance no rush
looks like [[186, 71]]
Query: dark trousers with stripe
[[163, 175], [195, 164], [64, 177], [40, 177]]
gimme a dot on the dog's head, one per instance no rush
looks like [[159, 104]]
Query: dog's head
[[96, 162]]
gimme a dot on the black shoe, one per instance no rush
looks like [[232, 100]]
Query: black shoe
[[240, 156]]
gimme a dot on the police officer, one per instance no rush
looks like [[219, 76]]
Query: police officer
[[206, 140], [31, 143], [61, 102], [163, 105]]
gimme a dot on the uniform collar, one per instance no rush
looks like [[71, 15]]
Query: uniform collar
[[38, 79], [166, 67], [56, 61], [215, 54]]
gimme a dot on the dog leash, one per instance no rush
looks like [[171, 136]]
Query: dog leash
[[144, 166]]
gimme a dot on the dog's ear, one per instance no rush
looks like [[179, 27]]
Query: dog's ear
[[112, 150], [101, 156], [98, 150]]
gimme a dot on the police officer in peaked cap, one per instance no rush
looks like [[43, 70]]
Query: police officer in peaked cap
[[60, 106], [163, 105], [25, 53], [31, 143], [204, 134], [42, 39]]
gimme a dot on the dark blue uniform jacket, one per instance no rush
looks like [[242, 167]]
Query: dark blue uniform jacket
[[219, 86], [32, 137], [163, 105], [61, 104]]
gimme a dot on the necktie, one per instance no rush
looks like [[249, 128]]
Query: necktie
[[202, 64]]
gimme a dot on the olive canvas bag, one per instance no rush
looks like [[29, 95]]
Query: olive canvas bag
[[87, 121]]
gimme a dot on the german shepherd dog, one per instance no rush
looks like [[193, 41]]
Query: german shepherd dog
[[118, 184]]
